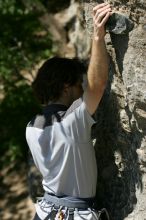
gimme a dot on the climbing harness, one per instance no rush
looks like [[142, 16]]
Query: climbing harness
[[63, 208]]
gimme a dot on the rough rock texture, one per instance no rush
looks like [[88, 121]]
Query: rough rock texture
[[120, 132], [121, 128]]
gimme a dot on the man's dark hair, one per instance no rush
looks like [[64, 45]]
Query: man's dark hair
[[53, 75]]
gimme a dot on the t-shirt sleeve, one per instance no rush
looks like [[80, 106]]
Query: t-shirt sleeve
[[78, 122]]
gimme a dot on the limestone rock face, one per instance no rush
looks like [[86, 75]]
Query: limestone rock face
[[120, 132], [121, 128]]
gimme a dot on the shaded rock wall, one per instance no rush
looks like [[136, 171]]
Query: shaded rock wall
[[121, 130]]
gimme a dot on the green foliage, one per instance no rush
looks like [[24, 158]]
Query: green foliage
[[16, 110], [23, 44], [20, 43]]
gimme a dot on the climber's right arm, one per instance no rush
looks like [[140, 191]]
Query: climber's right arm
[[98, 68]]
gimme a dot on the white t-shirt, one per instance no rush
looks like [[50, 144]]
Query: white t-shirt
[[62, 149]]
